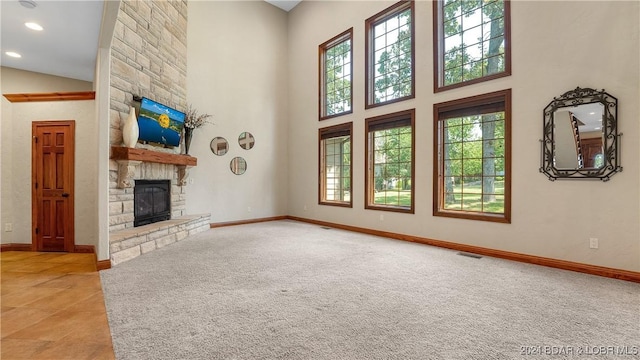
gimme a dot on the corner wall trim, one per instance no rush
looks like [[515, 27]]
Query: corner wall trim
[[57, 96], [103, 265], [15, 247], [84, 249], [249, 221], [530, 259]]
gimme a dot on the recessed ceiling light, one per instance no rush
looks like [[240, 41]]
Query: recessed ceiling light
[[597, 128], [13, 54], [33, 26], [29, 4], [592, 113]]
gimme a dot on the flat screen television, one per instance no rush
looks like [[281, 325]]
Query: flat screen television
[[159, 123]]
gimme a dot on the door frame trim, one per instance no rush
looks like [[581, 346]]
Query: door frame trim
[[69, 241]]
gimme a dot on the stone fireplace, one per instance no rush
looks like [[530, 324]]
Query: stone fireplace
[[147, 59], [124, 174], [163, 177]]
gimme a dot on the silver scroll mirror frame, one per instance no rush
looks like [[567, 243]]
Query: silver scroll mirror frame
[[609, 164]]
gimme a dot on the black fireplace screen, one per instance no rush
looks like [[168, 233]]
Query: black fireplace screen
[[151, 201]]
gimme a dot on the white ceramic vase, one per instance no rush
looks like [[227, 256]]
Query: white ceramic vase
[[130, 130]]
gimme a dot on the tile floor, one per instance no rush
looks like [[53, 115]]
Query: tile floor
[[52, 307]]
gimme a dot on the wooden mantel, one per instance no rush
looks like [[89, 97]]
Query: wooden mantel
[[129, 158], [125, 153]]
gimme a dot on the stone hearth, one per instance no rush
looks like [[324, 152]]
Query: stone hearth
[[132, 242]]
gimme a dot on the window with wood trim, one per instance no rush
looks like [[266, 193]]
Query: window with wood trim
[[472, 164], [472, 42], [336, 85], [390, 55], [335, 165], [390, 162]]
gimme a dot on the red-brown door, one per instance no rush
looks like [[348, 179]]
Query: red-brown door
[[52, 180]]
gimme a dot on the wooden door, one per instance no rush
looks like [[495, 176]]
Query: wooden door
[[52, 181]]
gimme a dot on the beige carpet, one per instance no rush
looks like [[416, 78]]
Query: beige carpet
[[290, 290]]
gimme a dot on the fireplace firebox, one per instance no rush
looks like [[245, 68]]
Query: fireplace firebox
[[151, 201]]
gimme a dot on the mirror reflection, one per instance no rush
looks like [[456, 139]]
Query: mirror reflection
[[219, 146], [578, 137], [246, 140], [238, 165]]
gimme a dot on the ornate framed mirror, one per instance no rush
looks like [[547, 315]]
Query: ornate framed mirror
[[580, 136]]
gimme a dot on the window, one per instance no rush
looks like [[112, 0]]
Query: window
[[389, 153], [472, 165], [336, 76], [390, 60], [472, 42], [335, 165]]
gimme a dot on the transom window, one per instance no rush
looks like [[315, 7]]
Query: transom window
[[390, 59], [390, 162], [473, 42], [335, 165], [336, 76], [472, 158]]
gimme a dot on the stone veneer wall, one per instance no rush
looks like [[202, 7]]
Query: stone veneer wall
[[148, 58]]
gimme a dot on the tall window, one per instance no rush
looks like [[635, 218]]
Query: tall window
[[335, 165], [472, 165], [390, 60], [390, 166], [472, 42], [336, 76]]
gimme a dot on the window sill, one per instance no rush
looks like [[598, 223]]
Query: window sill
[[470, 215], [336, 203], [400, 209]]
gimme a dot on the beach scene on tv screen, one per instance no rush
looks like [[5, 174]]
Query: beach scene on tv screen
[[159, 123]]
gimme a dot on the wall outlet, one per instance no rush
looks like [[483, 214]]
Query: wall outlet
[[593, 243], [381, 217], [305, 207], [191, 181], [8, 227], [248, 208]]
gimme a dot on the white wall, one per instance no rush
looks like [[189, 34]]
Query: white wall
[[21, 81], [557, 46], [16, 153], [237, 71], [102, 86], [6, 163]]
